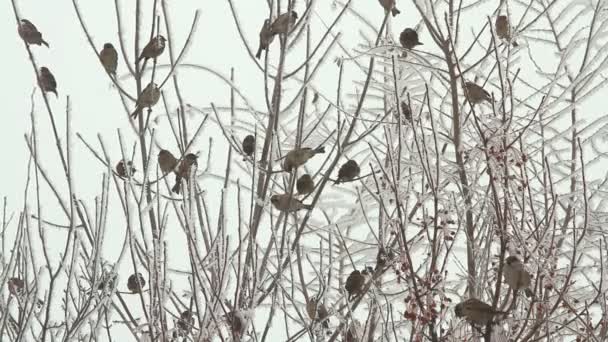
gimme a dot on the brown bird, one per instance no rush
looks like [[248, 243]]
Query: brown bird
[[389, 5], [476, 311], [266, 37], [283, 23], [185, 322], [136, 282], [409, 38], [287, 203], [406, 111], [314, 307], [15, 286], [166, 161], [503, 29], [516, 276], [153, 49], [348, 172], [305, 185], [354, 283], [109, 58], [124, 170], [475, 93], [237, 323], [248, 145], [148, 98], [30, 34], [298, 157], [183, 170], [46, 81]]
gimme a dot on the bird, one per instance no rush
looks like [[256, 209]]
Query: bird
[[503, 29], [317, 311], [136, 282], [153, 49], [248, 145], [305, 185], [298, 157], [283, 23], [389, 5], [266, 37], [148, 98], [287, 203], [30, 34], [15, 286], [237, 323], [475, 93], [183, 170], [109, 58], [409, 38], [406, 111], [185, 322], [476, 311], [516, 276], [166, 161], [354, 283], [348, 172], [125, 169], [47, 81], [383, 258]]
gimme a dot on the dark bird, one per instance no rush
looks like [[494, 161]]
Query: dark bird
[[305, 185], [46, 81], [153, 49], [287, 203], [148, 98], [185, 322], [409, 39], [389, 5], [475, 93], [503, 29], [516, 275], [283, 23], [266, 37], [109, 58], [317, 312], [184, 169], [15, 286], [248, 145], [406, 111], [298, 157], [136, 283], [166, 161], [348, 172], [30, 34], [354, 283], [125, 170], [237, 323], [476, 311]]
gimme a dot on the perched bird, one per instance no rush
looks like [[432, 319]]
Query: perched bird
[[248, 145], [314, 308], [475, 93], [15, 286], [298, 157], [166, 161], [516, 276], [389, 5], [406, 111], [305, 185], [136, 282], [30, 34], [46, 81], [153, 49], [266, 37], [109, 58], [348, 172], [354, 283], [237, 322], [183, 170], [148, 98], [287, 203], [476, 311], [503, 29], [185, 322], [409, 38], [125, 169], [283, 23]]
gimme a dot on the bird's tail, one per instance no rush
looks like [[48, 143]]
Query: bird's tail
[[55, 92], [177, 187], [138, 109], [395, 11], [45, 43], [514, 43], [320, 149], [308, 206], [259, 53]]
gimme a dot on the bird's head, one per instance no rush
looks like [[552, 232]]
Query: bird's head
[[294, 14], [274, 199], [512, 260], [458, 310], [191, 157], [44, 70], [25, 21], [108, 46], [502, 18], [161, 38]]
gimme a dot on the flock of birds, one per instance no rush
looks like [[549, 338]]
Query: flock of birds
[[473, 310]]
